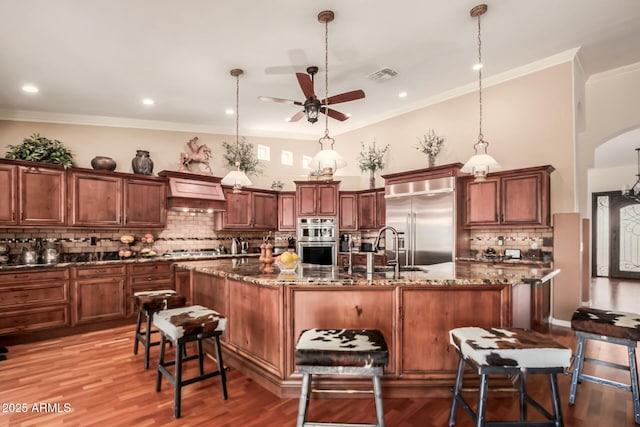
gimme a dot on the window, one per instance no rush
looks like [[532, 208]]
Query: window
[[264, 152], [306, 161], [286, 158]]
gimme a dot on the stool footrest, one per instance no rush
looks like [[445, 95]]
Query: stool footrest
[[607, 364], [316, 424], [604, 381]]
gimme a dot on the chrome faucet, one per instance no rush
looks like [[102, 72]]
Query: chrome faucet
[[376, 247], [350, 246]]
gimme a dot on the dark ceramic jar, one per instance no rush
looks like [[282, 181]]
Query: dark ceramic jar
[[142, 163], [103, 163]]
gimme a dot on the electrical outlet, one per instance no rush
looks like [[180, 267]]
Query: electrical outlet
[[500, 240], [94, 240]]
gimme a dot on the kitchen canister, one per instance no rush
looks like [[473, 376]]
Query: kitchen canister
[[142, 163]]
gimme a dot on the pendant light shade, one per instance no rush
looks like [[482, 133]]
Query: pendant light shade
[[237, 178], [481, 163]]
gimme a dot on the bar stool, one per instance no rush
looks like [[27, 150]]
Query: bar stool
[[361, 352], [616, 327], [149, 303], [183, 325], [508, 352]]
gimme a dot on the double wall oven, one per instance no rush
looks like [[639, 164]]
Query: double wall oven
[[318, 240]]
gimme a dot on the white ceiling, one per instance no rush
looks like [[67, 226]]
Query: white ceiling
[[100, 58]]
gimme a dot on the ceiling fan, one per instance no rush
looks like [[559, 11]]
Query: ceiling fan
[[312, 105]]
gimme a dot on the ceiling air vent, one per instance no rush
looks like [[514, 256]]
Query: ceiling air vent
[[383, 74]]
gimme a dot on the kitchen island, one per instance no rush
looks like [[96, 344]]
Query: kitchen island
[[267, 312]]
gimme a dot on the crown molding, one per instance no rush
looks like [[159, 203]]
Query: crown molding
[[614, 72]]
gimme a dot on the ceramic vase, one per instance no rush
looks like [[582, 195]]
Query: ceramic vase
[[372, 179], [142, 163], [103, 163], [432, 160]]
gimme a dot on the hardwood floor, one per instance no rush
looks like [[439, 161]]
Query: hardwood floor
[[102, 383]]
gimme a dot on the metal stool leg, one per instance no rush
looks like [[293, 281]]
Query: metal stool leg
[[555, 397], [303, 406], [482, 400], [578, 364], [633, 370], [377, 396], [456, 392]]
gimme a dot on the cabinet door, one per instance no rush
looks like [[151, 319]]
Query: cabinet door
[[348, 218], [306, 199], [381, 213], [42, 196], [182, 281], [287, 211], [367, 210], [99, 299], [96, 200], [522, 199], [239, 209], [327, 200], [8, 185], [265, 210], [145, 203], [482, 202]]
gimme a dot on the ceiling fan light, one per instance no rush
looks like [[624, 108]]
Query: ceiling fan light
[[312, 112]]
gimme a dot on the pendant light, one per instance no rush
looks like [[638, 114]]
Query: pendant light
[[237, 178], [633, 193], [481, 163], [327, 159]]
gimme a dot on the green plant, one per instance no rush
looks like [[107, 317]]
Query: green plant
[[371, 158], [40, 149], [430, 144], [241, 154]]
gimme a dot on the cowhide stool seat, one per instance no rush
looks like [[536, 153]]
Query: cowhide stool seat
[[183, 325], [359, 352], [148, 303], [508, 352], [616, 327]]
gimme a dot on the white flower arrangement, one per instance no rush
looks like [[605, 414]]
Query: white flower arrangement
[[371, 158], [430, 144]]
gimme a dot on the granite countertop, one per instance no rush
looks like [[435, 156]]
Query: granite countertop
[[449, 273]]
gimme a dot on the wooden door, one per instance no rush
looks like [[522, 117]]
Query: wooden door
[[348, 217], [8, 188], [265, 211], [145, 203], [367, 210], [522, 199], [239, 209], [96, 200], [482, 200], [306, 195], [43, 196], [287, 211], [327, 200]]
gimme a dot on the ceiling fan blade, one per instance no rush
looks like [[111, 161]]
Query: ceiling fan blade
[[344, 97], [306, 84], [283, 101], [334, 114], [297, 116]]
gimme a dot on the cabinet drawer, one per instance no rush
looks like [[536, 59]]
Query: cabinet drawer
[[33, 276], [147, 268], [50, 293], [100, 271], [142, 287], [34, 319], [152, 280]]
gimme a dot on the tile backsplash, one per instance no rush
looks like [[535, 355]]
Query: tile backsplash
[[532, 242]]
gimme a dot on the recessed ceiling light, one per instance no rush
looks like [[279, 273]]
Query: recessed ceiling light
[[402, 95], [287, 119], [30, 88], [148, 101], [477, 67], [348, 114], [229, 111]]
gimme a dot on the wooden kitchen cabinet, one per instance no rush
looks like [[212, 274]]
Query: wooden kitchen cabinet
[[509, 198], [367, 211], [348, 217], [95, 199], [34, 300], [182, 284], [250, 210], [8, 191], [147, 276], [287, 211], [360, 259], [98, 292], [317, 198], [145, 202]]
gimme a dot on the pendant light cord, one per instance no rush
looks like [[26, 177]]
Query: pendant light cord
[[480, 65], [326, 76], [237, 108]]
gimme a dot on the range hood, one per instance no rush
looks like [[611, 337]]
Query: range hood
[[189, 191]]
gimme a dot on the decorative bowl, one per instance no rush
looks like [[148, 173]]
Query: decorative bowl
[[287, 269]]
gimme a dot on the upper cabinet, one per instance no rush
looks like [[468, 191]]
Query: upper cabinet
[[287, 211], [371, 209], [348, 218], [249, 210], [317, 198], [510, 198], [106, 199], [32, 195]]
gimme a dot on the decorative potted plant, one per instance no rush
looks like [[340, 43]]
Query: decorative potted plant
[[277, 185], [371, 159], [241, 155], [37, 148], [430, 145]]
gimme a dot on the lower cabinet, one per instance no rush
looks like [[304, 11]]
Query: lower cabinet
[[98, 292], [147, 276], [182, 283], [360, 259], [31, 301]]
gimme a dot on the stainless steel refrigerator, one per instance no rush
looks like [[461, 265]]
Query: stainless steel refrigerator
[[423, 213]]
